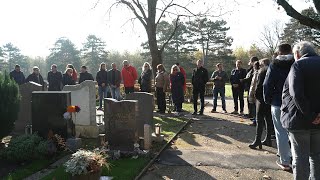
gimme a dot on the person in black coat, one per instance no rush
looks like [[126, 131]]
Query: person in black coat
[[238, 86], [145, 78], [103, 83], [35, 76], [17, 75], [84, 75], [67, 77], [263, 110], [177, 82], [200, 78], [54, 79], [300, 111]]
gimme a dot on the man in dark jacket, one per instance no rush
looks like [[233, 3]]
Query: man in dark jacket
[[272, 89], [301, 111], [114, 79], [199, 80], [101, 78], [219, 78], [238, 86], [35, 76], [17, 75], [84, 75], [54, 79], [247, 81]]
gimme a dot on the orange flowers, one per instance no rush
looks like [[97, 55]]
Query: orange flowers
[[72, 109]]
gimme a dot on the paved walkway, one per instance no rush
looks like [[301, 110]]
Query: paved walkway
[[215, 146]]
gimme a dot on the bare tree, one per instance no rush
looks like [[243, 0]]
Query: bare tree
[[146, 13], [305, 20], [270, 37]]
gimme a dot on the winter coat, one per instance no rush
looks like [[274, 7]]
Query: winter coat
[[217, 82], [145, 81], [114, 77], [185, 77], [68, 80], [162, 80], [200, 78], [248, 79], [253, 87], [236, 75], [301, 97], [55, 81], [129, 76], [275, 78], [261, 77], [34, 78], [17, 76], [85, 76], [177, 81], [102, 77]]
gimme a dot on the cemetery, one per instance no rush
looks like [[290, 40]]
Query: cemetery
[[54, 126]]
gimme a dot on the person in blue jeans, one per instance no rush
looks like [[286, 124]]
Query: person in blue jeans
[[114, 79], [219, 78], [300, 111], [272, 92], [102, 81]]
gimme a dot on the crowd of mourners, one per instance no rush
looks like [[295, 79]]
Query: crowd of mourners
[[283, 97]]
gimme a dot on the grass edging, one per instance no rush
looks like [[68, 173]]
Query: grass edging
[[162, 149]]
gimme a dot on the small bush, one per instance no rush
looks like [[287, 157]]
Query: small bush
[[9, 104], [25, 147]]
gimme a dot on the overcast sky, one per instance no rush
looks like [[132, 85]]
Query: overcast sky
[[34, 25]]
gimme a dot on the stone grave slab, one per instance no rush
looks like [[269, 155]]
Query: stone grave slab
[[120, 124], [145, 109], [48, 108], [24, 116]]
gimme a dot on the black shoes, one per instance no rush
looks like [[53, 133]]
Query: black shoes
[[267, 142], [194, 113], [255, 144]]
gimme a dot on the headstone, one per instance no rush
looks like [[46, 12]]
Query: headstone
[[84, 96], [73, 144], [147, 137], [145, 109], [48, 108], [24, 116], [120, 124]]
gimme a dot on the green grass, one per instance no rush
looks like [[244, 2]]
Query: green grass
[[128, 168], [32, 168]]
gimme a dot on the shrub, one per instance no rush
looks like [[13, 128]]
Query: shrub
[[25, 147], [9, 104]]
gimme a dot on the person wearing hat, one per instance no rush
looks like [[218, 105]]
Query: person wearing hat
[[35, 76]]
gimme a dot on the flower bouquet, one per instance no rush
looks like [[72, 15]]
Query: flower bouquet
[[86, 164], [71, 110]]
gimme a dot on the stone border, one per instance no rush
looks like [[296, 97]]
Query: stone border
[[161, 150]]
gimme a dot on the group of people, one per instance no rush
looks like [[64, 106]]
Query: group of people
[[286, 97]]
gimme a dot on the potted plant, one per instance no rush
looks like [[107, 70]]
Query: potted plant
[[86, 165]]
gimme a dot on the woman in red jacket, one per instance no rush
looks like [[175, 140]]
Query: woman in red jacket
[[74, 73]]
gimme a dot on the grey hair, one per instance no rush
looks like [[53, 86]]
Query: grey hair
[[144, 64], [304, 47], [175, 66], [125, 62]]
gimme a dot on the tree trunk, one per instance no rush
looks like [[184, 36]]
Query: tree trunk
[[156, 54]]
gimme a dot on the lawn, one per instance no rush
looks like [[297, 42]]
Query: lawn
[[128, 168]]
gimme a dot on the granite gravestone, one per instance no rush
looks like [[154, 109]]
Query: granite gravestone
[[84, 96], [48, 108], [120, 124], [145, 109], [24, 116]]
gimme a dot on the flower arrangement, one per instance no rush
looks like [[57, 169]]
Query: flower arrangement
[[71, 109], [85, 162]]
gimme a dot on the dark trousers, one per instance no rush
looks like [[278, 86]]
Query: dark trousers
[[237, 93], [196, 92], [178, 107], [251, 108], [263, 118], [128, 90], [161, 101]]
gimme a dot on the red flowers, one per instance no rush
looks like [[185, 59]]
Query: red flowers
[[72, 109]]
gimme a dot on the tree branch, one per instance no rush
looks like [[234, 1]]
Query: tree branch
[[296, 15], [317, 5], [171, 35], [163, 11], [131, 7], [137, 3]]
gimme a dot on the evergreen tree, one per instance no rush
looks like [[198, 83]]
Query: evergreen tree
[[13, 56]]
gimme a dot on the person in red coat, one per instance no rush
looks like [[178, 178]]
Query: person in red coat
[[74, 72], [129, 76], [184, 75]]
